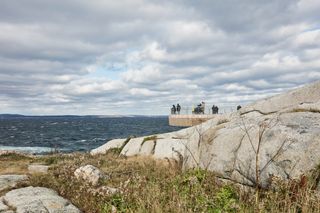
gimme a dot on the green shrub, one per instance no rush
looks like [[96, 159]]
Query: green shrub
[[226, 200]]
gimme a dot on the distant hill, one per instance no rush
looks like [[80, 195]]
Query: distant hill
[[11, 116], [4, 116]]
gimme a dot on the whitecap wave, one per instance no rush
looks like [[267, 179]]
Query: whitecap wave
[[28, 150]]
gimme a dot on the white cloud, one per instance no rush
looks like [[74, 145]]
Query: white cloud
[[109, 57], [149, 74], [277, 61], [142, 92], [308, 39]]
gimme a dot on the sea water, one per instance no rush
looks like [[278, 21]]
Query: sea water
[[43, 134]]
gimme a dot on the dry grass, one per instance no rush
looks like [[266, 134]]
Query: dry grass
[[148, 185], [15, 163], [150, 138], [12, 163]]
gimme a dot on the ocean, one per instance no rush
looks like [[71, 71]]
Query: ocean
[[45, 134]]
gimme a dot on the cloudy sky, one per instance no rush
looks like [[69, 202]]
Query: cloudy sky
[[142, 56]]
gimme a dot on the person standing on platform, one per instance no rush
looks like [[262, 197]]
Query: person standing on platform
[[174, 109], [215, 109], [178, 108], [202, 107]]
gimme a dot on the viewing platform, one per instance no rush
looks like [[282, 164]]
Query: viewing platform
[[189, 120]]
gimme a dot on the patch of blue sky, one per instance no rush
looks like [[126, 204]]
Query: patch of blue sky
[[113, 69], [111, 72]]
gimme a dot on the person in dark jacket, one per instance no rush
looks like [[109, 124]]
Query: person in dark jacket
[[173, 109], [215, 109], [238, 107], [178, 108]]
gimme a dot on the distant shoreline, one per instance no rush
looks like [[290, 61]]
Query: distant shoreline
[[3, 116]]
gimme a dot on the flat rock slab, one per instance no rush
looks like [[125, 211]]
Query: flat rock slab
[[38, 168], [37, 199], [116, 143], [7, 181]]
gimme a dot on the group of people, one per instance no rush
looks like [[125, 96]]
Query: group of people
[[215, 109], [200, 109], [175, 109]]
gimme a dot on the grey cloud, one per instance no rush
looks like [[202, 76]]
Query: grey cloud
[[141, 56]]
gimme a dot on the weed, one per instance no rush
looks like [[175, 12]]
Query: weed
[[150, 138], [226, 200], [124, 144]]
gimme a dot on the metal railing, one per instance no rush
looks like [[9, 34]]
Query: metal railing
[[187, 110]]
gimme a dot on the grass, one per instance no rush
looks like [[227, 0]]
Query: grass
[[150, 138], [15, 163], [12, 163], [148, 185], [119, 149]]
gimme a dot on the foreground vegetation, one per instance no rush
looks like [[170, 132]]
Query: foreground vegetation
[[147, 185]]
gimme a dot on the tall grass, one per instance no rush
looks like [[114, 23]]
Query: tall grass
[[147, 185]]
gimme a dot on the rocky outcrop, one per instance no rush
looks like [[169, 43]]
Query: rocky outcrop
[[35, 199], [9, 181], [306, 95], [251, 150], [116, 143], [90, 174], [278, 136]]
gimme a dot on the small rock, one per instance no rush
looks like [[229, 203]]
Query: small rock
[[90, 174], [38, 199], [106, 190], [7, 181], [38, 168], [103, 190]]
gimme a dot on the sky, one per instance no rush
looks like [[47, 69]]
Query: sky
[[106, 57]]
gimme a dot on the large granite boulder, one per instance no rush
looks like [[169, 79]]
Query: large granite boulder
[[35, 199], [305, 95], [278, 136], [251, 150]]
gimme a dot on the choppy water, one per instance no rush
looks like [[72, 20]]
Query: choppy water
[[73, 133]]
